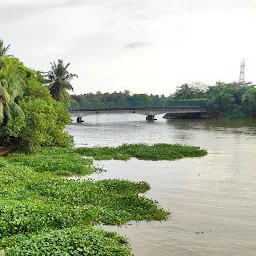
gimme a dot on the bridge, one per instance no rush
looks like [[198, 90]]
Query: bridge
[[150, 112]]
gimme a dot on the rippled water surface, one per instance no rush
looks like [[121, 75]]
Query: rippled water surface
[[212, 199]]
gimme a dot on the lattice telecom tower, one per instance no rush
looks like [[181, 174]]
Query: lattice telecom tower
[[242, 75]]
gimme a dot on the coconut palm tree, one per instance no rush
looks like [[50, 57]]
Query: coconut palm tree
[[3, 53], [8, 107], [12, 117], [10, 89], [4, 100], [3, 49], [58, 80], [4, 96]]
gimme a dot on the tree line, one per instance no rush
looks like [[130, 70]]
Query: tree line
[[232, 99]]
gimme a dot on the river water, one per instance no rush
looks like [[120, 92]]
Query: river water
[[212, 199]]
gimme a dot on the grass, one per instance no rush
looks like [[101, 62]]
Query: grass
[[143, 152], [43, 214]]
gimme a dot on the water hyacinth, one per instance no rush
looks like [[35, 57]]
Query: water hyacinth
[[75, 241], [154, 152], [43, 212]]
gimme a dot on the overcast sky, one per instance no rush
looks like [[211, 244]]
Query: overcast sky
[[147, 46]]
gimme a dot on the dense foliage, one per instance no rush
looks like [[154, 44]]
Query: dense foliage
[[74, 241], [60, 162], [29, 116], [231, 99], [194, 95], [144, 152]]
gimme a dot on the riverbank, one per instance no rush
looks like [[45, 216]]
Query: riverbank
[[41, 211]]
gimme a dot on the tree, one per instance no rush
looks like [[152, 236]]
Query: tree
[[223, 101], [249, 100], [12, 118], [45, 122], [58, 80], [3, 49], [30, 117], [8, 107], [199, 89], [3, 53], [184, 92], [200, 86]]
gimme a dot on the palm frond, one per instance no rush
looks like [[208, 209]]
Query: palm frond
[[3, 49], [66, 67], [8, 106], [4, 95], [1, 112], [58, 79], [15, 110]]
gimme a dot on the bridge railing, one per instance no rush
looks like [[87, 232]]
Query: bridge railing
[[138, 108]]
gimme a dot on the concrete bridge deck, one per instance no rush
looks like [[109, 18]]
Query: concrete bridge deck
[[150, 112]]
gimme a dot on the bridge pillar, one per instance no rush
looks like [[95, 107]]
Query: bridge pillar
[[79, 120], [150, 118]]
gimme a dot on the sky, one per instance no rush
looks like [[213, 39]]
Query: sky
[[144, 46]]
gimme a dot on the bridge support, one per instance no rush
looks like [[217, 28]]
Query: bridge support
[[150, 118], [79, 120]]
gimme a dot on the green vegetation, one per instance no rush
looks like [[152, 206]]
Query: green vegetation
[[42, 212], [188, 95], [59, 79], [88, 241], [58, 161], [144, 152], [116, 100], [189, 102], [249, 100], [29, 116], [231, 99]]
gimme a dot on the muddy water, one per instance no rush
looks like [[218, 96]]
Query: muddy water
[[212, 199]]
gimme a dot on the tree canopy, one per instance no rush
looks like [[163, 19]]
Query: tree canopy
[[29, 116], [249, 100], [58, 80]]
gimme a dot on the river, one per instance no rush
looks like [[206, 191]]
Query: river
[[212, 199]]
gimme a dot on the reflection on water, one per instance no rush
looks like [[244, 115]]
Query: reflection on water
[[212, 199], [234, 126]]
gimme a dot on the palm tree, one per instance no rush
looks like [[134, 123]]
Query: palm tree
[[4, 96], [10, 89], [3, 49], [8, 107], [3, 53], [58, 79], [183, 92], [12, 117], [4, 100]]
